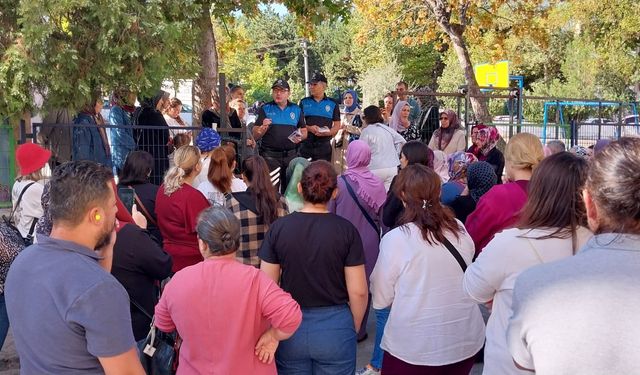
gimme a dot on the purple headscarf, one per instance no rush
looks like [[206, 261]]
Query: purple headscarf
[[394, 122], [370, 187]]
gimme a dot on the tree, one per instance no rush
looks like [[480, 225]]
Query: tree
[[66, 50], [460, 24]]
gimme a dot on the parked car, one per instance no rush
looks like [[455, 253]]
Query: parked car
[[187, 114]]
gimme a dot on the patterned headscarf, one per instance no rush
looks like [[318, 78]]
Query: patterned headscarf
[[480, 179], [207, 140], [581, 151], [444, 135], [461, 159], [488, 138]]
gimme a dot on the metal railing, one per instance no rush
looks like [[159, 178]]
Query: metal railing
[[60, 139]]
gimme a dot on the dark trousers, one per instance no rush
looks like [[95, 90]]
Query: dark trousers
[[279, 159], [316, 150], [394, 366]]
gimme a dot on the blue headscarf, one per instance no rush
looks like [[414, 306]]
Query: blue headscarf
[[207, 140], [355, 104]]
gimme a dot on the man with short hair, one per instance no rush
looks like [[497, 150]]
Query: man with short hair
[[280, 128], [69, 314], [236, 92], [555, 146], [401, 90], [322, 116]]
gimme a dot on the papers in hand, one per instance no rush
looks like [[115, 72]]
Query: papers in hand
[[324, 129], [296, 136]]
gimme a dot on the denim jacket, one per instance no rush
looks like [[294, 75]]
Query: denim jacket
[[122, 141], [87, 142]]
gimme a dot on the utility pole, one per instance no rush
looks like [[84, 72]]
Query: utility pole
[[305, 55]]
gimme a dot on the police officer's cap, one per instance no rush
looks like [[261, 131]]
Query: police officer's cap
[[280, 83], [318, 77]]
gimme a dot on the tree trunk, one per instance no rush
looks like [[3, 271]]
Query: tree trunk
[[479, 105], [206, 79]]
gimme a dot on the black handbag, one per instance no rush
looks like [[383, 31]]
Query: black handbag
[[159, 350]]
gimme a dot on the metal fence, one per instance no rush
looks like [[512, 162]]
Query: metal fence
[[574, 121], [7, 164], [72, 141]]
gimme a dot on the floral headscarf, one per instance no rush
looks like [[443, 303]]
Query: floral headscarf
[[581, 151], [462, 160], [355, 104], [488, 138]]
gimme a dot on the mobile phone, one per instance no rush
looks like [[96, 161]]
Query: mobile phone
[[126, 195], [381, 103]]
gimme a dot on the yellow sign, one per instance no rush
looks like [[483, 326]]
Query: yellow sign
[[493, 75]]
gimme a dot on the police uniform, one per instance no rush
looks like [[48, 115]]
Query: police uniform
[[320, 113], [275, 146]]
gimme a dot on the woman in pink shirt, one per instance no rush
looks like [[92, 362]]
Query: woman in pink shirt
[[499, 208], [230, 316]]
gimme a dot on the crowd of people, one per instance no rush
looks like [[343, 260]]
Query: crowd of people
[[271, 262]]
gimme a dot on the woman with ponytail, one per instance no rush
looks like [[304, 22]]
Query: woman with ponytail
[[178, 205], [220, 179], [433, 328], [256, 208]]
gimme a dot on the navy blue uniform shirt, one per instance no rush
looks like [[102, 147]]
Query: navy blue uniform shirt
[[283, 123], [320, 113]]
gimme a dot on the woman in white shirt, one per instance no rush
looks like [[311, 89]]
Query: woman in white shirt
[[448, 137], [220, 178], [385, 144], [552, 227], [172, 117], [433, 327], [31, 158]]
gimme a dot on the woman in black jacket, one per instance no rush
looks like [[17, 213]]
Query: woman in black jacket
[[135, 174], [154, 140], [413, 152], [139, 263]]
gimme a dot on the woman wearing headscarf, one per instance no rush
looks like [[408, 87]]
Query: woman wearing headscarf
[[500, 207], [400, 117], [122, 141], [351, 122], [474, 138], [360, 196], [440, 165], [580, 151], [458, 164], [206, 141], [448, 137], [487, 140], [480, 180], [294, 174]]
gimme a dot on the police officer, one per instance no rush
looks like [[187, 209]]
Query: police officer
[[280, 127], [322, 116]]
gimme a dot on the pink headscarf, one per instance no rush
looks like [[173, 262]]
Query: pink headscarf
[[370, 187], [394, 123]]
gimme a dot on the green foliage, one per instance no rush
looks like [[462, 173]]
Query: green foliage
[[377, 82]]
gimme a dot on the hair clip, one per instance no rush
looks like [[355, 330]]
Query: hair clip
[[424, 204]]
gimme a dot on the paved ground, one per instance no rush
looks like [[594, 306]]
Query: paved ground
[[9, 364]]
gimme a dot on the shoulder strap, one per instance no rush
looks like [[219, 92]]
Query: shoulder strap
[[24, 190], [142, 207], [455, 254], [364, 212], [137, 305]]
